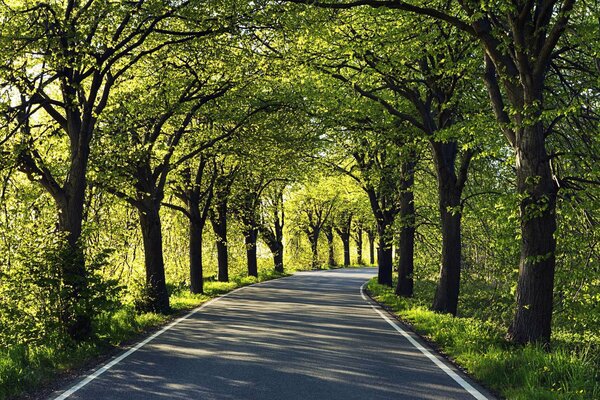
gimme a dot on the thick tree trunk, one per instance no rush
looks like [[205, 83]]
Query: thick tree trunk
[[196, 274], [70, 203], [386, 260], [359, 246], [446, 295], [75, 319], [533, 317], [158, 297], [219, 224], [449, 193], [371, 236], [346, 242], [406, 244], [278, 257], [275, 243], [331, 249], [250, 238]]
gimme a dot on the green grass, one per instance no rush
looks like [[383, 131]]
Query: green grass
[[479, 347], [25, 367]]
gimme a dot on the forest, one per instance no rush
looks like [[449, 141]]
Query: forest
[[156, 153]]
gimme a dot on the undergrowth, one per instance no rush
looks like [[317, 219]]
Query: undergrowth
[[24, 367]]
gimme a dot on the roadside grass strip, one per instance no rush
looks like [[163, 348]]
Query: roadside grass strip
[[479, 347]]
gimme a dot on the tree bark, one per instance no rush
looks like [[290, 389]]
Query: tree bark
[[219, 224], [75, 319], [158, 297], [385, 256], [275, 244], [359, 246], [371, 237], [278, 258], [274, 240], [386, 261], [346, 242], [534, 296], [406, 244], [449, 192], [313, 238], [344, 230], [196, 274], [251, 237], [71, 201], [328, 230]]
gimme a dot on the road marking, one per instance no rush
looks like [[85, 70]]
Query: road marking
[[67, 393], [465, 385]]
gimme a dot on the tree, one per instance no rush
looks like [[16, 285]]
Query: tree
[[227, 172], [428, 101], [273, 221], [343, 227], [195, 190], [161, 115], [246, 203], [520, 41], [63, 70], [328, 232], [314, 206]]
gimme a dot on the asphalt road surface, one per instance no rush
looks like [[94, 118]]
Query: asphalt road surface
[[309, 336]]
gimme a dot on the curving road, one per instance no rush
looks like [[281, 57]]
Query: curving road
[[309, 336]]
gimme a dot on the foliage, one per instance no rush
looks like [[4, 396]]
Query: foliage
[[32, 364], [109, 111]]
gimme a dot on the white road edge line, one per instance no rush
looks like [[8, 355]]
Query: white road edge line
[[465, 385], [67, 393]]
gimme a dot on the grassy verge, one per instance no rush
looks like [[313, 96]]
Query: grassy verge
[[479, 347], [27, 367]]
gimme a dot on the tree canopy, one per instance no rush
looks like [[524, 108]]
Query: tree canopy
[[149, 147]]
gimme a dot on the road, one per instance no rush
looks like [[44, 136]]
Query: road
[[309, 336]]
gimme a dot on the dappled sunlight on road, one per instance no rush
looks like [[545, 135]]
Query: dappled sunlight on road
[[310, 336]]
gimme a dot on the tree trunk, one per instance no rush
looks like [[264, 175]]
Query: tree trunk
[[533, 317], [250, 237], [359, 246], [219, 224], [75, 317], [196, 274], [385, 259], [329, 235], [371, 236], [346, 242], [406, 244], [156, 287], [446, 295], [278, 258], [313, 238], [275, 243], [384, 219]]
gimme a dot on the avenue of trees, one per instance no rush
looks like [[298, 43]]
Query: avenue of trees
[[149, 146]]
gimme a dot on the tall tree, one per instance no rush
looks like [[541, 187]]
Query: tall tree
[[227, 171], [272, 223], [314, 208], [153, 139], [343, 227], [64, 68], [520, 41], [425, 95], [195, 190]]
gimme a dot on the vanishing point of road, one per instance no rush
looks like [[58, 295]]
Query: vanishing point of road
[[309, 336]]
